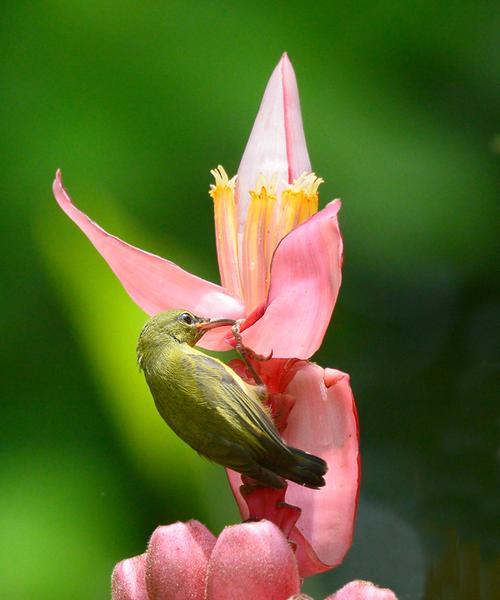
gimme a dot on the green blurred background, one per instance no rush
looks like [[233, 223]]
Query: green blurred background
[[136, 102]]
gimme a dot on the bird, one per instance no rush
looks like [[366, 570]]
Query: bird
[[215, 411]]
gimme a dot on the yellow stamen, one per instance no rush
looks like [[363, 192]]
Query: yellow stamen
[[302, 194], [226, 230], [245, 256], [256, 243]]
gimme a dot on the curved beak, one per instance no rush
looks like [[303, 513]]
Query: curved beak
[[207, 324]]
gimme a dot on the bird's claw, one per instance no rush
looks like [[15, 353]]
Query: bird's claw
[[240, 346], [247, 354]]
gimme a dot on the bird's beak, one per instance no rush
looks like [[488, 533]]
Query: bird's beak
[[208, 324]]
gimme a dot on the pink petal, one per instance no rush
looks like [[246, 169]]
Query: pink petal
[[362, 590], [296, 147], [305, 281], [128, 579], [252, 560], [177, 561], [324, 422], [154, 283], [277, 145]]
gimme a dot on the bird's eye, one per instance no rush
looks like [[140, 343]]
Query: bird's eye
[[186, 318]]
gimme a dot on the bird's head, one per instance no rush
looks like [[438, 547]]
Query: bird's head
[[178, 325]]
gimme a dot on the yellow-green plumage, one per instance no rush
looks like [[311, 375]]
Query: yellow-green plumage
[[212, 409]]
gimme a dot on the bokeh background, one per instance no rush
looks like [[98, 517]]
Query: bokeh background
[[136, 102]]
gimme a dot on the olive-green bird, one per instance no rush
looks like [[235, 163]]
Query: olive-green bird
[[212, 409]]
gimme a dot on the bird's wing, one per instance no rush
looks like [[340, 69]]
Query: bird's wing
[[245, 408]]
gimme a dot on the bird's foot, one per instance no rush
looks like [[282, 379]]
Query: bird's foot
[[247, 354]]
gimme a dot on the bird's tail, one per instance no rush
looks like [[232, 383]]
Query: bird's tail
[[306, 469]]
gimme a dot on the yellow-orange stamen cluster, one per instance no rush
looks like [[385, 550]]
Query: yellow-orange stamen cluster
[[245, 250], [300, 200], [257, 242], [226, 230]]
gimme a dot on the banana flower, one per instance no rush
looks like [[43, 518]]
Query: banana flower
[[280, 265]]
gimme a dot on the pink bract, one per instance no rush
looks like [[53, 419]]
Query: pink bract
[[277, 144], [184, 561], [362, 590], [280, 263], [323, 421]]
